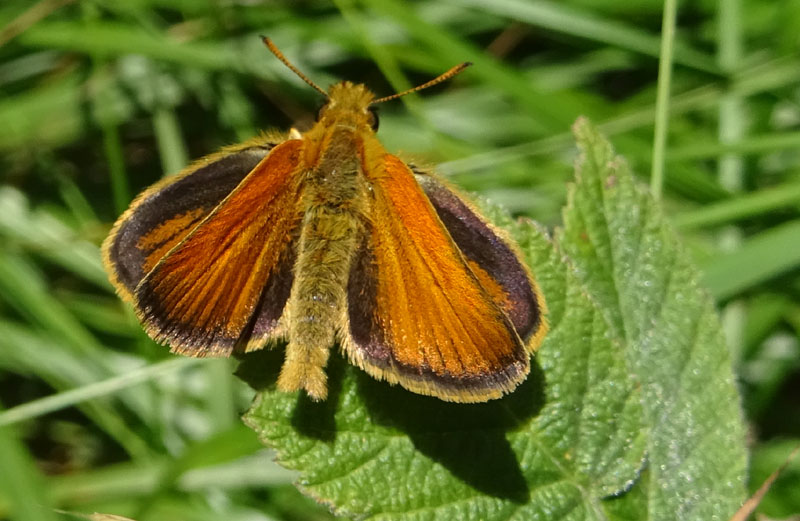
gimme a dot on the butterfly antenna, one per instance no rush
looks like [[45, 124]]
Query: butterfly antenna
[[271, 46], [439, 79]]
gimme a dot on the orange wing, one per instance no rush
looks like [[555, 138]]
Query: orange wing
[[492, 257], [418, 315], [226, 283], [165, 213]]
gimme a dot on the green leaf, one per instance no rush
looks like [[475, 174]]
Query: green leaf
[[634, 267], [632, 364]]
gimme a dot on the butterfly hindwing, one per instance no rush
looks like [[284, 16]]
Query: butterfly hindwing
[[418, 315]]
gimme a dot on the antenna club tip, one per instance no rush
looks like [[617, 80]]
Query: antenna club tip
[[467, 64]]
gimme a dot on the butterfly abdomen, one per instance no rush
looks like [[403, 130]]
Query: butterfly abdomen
[[331, 231]]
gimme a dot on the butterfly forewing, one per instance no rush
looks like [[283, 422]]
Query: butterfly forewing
[[226, 283], [166, 212], [418, 314], [491, 257]]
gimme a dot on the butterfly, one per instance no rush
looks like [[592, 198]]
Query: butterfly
[[322, 238]]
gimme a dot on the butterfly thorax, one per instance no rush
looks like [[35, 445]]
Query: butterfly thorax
[[343, 123]]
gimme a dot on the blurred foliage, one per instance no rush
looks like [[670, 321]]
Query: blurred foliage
[[98, 99]]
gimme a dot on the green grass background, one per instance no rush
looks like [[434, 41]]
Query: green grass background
[[99, 99]]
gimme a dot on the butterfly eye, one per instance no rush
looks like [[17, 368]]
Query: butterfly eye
[[320, 110], [373, 112]]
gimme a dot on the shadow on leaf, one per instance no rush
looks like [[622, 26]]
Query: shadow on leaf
[[317, 419], [260, 369], [467, 439]]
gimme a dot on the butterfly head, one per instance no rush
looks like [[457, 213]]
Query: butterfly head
[[349, 104], [352, 104]]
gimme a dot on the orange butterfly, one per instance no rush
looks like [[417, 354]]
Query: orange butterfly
[[324, 237]]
